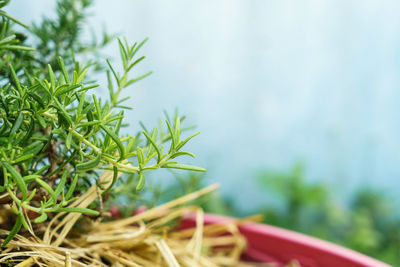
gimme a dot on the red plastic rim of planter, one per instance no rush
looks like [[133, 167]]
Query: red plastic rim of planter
[[273, 244]]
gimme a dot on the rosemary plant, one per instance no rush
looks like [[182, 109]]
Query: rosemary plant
[[56, 135]]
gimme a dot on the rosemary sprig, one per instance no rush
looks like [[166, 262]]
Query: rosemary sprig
[[56, 135]]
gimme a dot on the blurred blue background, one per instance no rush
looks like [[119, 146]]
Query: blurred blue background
[[268, 83]]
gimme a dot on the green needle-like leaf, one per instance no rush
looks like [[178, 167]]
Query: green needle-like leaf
[[17, 178], [154, 145], [42, 217], [141, 182], [115, 138], [90, 164], [14, 230], [61, 184], [79, 210], [183, 167]]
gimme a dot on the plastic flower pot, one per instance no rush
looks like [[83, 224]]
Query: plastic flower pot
[[276, 245]]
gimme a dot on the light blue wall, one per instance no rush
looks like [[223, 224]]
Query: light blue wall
[[269, 83]]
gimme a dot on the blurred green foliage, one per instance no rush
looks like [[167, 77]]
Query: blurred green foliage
[[369, 223]]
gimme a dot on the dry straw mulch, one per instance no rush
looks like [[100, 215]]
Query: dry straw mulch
[[145, 239]]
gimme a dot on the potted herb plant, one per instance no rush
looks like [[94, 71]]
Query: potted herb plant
[[62, 153]]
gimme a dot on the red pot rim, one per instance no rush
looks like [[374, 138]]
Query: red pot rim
[[268, 243]]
